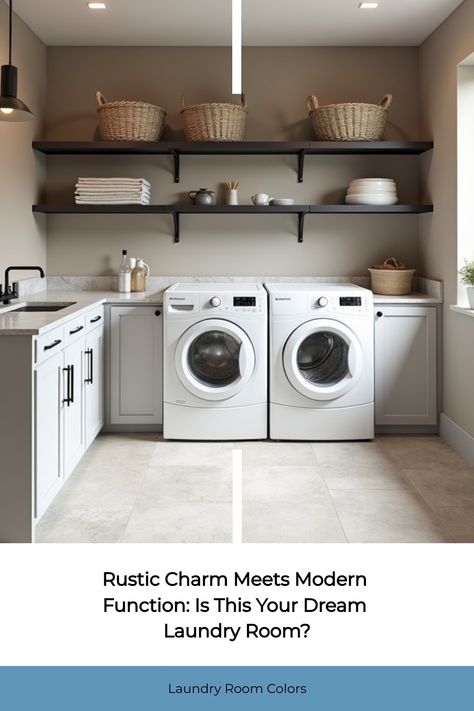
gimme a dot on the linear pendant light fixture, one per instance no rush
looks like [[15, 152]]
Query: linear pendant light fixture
[[11, 108], [236, 46]]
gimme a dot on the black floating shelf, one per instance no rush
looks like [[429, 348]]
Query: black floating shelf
[[179, 148], [177, 210]]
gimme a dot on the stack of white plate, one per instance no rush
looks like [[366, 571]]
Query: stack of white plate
[[372, 191]]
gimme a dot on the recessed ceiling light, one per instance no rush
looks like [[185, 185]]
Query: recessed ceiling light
[[368, 5], [96, 5]]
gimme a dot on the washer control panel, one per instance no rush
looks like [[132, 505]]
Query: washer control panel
[[236, 304]]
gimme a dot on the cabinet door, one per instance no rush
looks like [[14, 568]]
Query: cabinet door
[[405, 365], [73, 378], [48, 432], [94, 384], [136, 365]]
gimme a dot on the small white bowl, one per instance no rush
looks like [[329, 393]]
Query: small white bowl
[[371, 200], [282, 201]]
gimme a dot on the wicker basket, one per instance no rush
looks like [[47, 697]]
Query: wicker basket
[[348, 122], [215, 122], [393, 282], [129, 120]]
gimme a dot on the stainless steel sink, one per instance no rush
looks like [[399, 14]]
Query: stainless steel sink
[[39, 307]]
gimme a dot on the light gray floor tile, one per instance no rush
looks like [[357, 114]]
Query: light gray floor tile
[[311, 522], [420, 452], [283, 484], [386, 517], [291, 454], [185, 484], [357, 465], [458, 521], [211, 454], [82, 524], [180, 523], [444, 486]]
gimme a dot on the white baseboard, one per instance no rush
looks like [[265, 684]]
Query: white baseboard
[[457, 438]]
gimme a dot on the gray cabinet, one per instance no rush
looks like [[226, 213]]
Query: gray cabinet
[[136, 365], [406, 365], [93, 384]]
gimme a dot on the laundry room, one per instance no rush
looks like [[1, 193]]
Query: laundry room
[[237, 272]]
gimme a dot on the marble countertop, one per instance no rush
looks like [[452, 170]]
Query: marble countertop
[[37, 323]]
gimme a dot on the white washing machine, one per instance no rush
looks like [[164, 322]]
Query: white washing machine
[[215, 362], [321, 362]]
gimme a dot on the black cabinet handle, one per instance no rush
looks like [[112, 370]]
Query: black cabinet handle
[[76, 330], [90, 379], [72, 384], [67, 399], [52, 345], [379, 314], [94, 320], [157, 312]]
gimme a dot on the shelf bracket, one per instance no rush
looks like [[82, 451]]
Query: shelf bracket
[[301, 157], [301, 216], [176, 226], [176, 166]]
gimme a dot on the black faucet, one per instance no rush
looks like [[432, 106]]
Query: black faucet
[[11, 292]]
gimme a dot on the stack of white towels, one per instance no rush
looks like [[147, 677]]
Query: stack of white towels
[[113, 191]]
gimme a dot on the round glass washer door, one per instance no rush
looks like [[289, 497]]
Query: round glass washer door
[[214, 359], [323, 359]]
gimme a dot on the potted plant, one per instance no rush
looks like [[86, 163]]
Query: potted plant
[[467, 278]]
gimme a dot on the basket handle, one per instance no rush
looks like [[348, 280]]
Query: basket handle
[[101, 100], [243, 99], [386, 101], [183, 104], [312, 103]]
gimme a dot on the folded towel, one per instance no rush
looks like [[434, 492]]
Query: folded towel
[[113, 181], [115, 201], [113, 193]]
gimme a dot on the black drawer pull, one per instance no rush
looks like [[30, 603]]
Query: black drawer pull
[[94, 320], [52, 345], [157, 312], [76, 330], [379, 314]]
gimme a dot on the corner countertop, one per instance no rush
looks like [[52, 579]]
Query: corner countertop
[[34, 324]]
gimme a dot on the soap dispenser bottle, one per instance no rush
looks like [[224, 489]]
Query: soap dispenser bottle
[[139, 275]]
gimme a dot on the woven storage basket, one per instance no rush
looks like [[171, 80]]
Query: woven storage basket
[[129, 120], [215, 122], [348, 122], [392, 282]]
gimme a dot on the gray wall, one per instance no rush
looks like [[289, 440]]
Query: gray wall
[[439, 58], [277, 81], [22, 236]]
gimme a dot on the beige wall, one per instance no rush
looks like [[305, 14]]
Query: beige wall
[[277, 81], [439, 58], [22, 236]]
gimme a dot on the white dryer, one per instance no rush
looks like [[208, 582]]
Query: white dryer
[[321, 362], [215, 361]]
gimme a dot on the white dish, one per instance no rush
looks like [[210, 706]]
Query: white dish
[[371, 200], [373, 183], [360, 189], [373, 180], [282, 201]]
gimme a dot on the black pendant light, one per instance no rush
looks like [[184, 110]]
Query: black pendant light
[[11, 108]]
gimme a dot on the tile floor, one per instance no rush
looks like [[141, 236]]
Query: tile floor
[[138, 488]]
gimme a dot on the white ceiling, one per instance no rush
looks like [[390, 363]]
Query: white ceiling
[[207, 22]]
